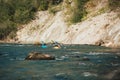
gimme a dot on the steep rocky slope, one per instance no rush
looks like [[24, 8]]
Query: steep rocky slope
[[99, 28]]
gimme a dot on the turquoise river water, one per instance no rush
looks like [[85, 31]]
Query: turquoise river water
[[103, 63]]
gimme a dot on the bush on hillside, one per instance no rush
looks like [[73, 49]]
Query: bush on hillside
[[114, 4], [13, 12], [6, 29], [79, 11]]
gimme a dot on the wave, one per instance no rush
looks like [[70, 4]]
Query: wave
[[18, 59], [5, 45], [97, 53], [86, 74]]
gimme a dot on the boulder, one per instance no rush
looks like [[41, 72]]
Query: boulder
[[39, 56], [99, 43]]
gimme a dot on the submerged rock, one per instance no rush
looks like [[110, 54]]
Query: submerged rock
[[85, 58], [116, 76], [39, 56], [113, 75]]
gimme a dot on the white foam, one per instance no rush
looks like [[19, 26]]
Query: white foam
[[96, 53], [86, 74], [76, 52], [58, 74], [81, 63], [59, 59]]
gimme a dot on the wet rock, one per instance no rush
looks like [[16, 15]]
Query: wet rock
[[113, 75], [39, 56], [99, 43], [116, 76], [85, 58]]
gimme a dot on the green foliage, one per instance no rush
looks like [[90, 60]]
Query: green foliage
[[13, 12], [6, 28], [114, 4], [16, 11], [103, 10], [79, 11], [54, 9]]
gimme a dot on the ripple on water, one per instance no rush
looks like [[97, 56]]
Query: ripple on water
[[82, 63], [62, 57], [76, 52], [18, 59], [59, 59], [63, 76], [5, 45], [96, 53], [86, 74]]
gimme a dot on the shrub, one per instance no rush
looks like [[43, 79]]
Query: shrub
[[13, 12], [79, 11], [6, 28], [114, 4]]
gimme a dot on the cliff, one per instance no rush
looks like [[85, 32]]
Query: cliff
[[101, 26]]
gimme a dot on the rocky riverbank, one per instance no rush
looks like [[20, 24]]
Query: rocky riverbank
[[102, 30], [100, 27]]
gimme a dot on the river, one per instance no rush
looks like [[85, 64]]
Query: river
[[102, 64]]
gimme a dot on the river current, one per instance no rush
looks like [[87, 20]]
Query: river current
[[69, 64]]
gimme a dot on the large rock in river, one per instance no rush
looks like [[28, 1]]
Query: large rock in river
[[39, 56]]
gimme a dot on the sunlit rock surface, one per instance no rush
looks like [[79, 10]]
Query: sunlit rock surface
[[102, 29], [39, 56]]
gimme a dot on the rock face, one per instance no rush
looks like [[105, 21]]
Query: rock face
[[102, 29], [39, 56]]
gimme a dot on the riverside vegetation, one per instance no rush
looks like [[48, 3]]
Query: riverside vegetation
[[17, 12]]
